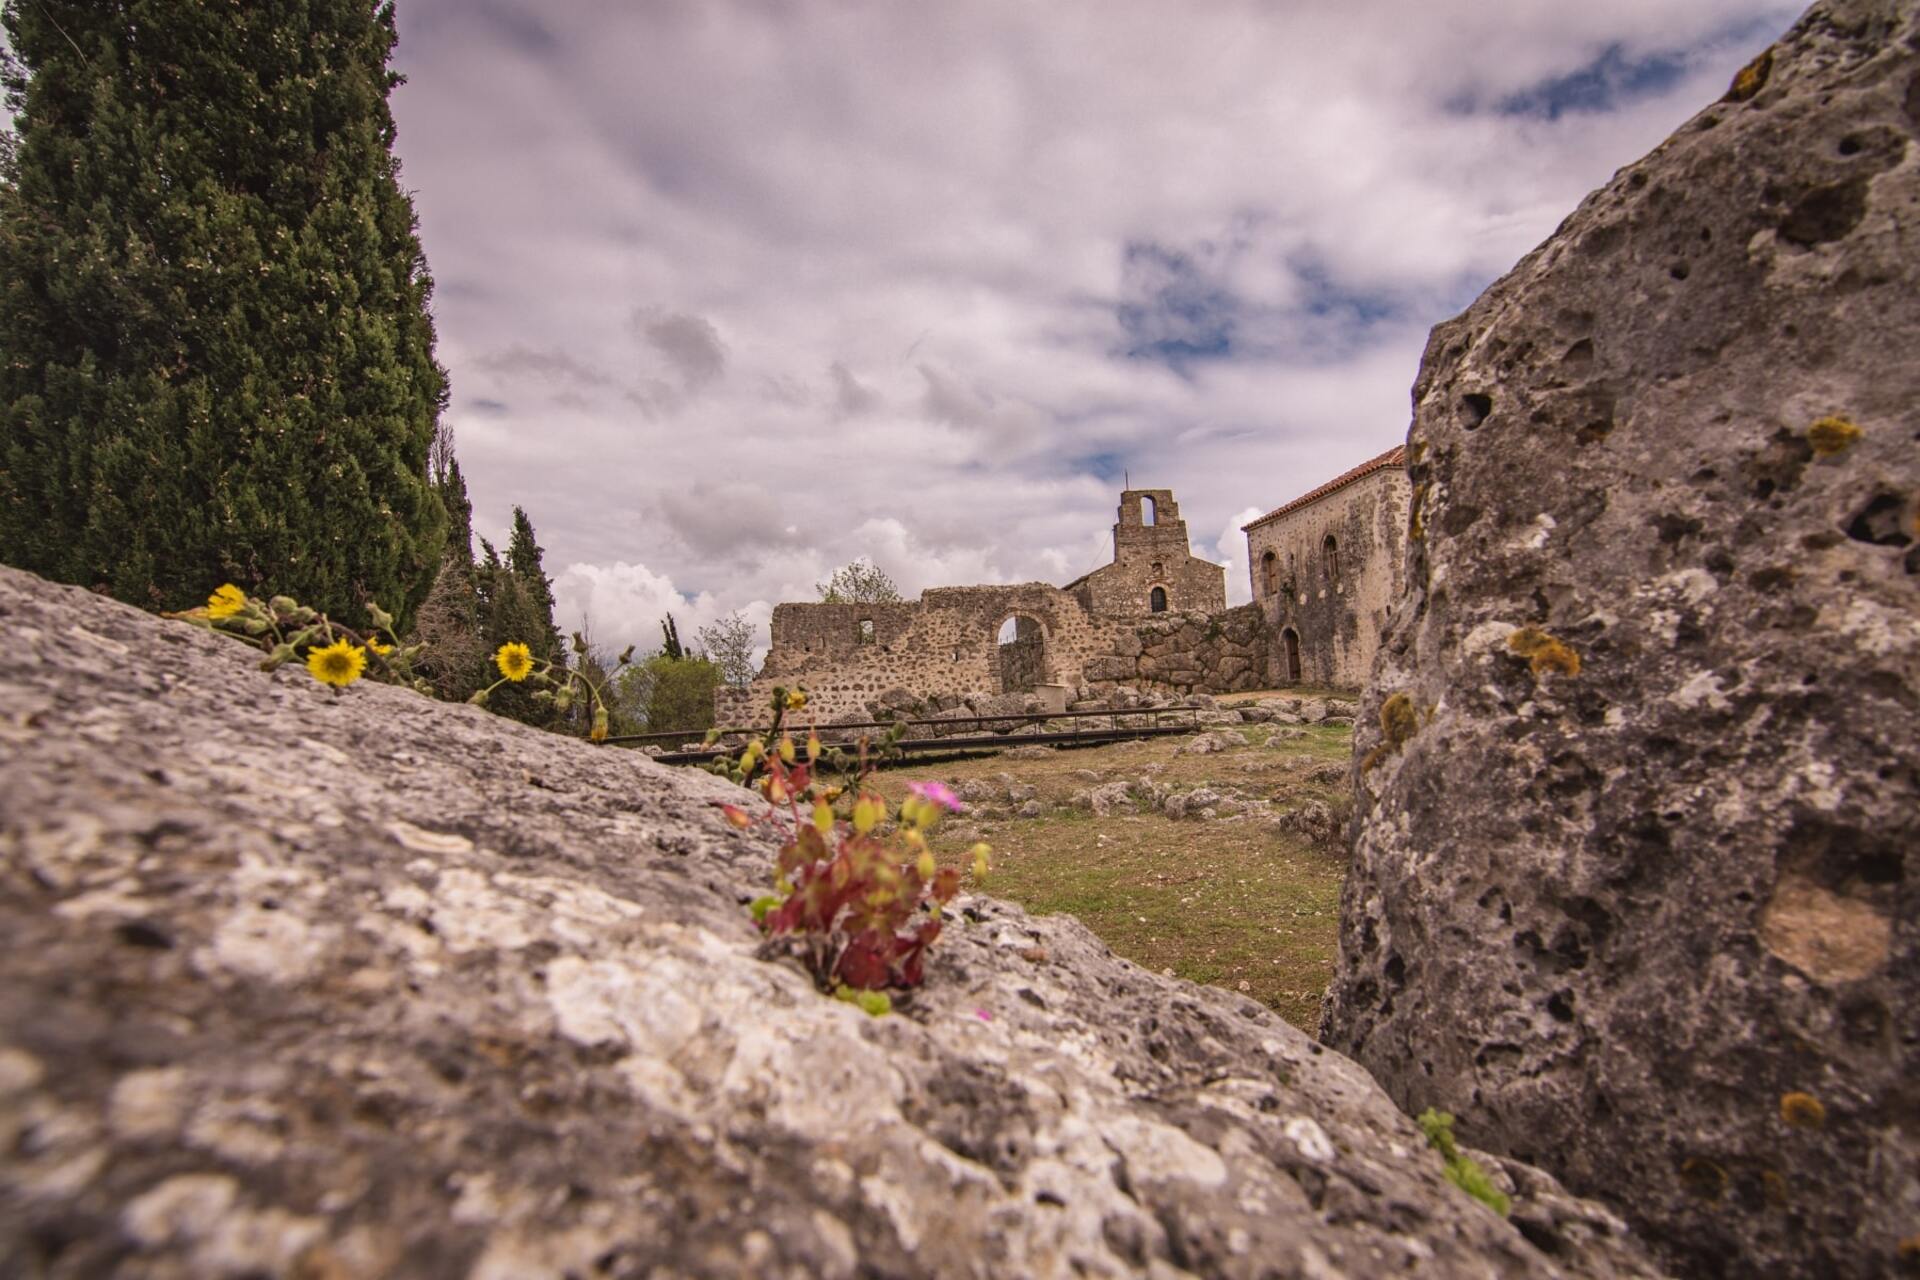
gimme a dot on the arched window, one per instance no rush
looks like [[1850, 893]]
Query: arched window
[[1147, 510], [1269, 574], [1292, 660], [1157, 600], [1332, 548]]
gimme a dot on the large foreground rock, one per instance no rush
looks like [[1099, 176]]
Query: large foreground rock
[[304, 985], [1656, 922]]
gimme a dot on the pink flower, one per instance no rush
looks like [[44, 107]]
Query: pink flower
[[983, 1015], [937, 793]]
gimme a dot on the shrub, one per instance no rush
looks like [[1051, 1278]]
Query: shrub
[[855, 885]]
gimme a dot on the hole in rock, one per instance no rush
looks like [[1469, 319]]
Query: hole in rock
[[1826, 213], [1474, 408], [1879, 522], [1679, 271]]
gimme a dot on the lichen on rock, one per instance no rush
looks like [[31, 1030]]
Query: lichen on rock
[[305, 985], [1650, 864]]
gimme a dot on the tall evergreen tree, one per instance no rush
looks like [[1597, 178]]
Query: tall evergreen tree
[[216, 359], [523, 561]]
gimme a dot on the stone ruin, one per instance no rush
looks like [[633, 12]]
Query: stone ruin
[[306, 985], [1155, 620], [1327, 569]]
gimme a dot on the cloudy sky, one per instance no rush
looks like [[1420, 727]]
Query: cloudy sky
[[734, 291]]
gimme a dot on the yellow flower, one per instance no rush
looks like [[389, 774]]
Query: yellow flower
[[515, 661], [226, 602], [374, 644], [339, 664], [796, 700]]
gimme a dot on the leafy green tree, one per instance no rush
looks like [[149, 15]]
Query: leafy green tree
[[681, 696], [862, 582], [216, 358], [728, 643]]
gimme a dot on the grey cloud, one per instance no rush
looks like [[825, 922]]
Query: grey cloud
[[689, 343], [933, 205], [555, 367], [726, 520], [851, 396], [947, 400]]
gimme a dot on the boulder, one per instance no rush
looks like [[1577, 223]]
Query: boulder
[[1209, 743], [1636, 882], [1107, 800], [312, 985]]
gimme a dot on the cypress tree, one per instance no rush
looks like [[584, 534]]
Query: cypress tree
[[523, 561], [216, 359]]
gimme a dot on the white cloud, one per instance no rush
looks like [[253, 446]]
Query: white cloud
[[1230, 549], [732, 293]]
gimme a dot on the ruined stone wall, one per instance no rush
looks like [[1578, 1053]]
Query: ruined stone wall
[[1146, 556], [1338, 610], [1194, 652], [946, 643]]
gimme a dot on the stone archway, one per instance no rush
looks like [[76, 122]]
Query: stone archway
[[1020, 655], [1290, 656]]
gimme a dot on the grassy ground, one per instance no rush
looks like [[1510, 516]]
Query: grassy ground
[[1241, 902]]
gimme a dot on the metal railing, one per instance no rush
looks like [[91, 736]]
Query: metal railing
[[1122, 724]]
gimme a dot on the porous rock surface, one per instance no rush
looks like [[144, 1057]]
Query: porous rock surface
[[1656, 923], [330, 986]]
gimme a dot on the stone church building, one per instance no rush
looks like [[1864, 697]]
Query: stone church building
[[1326, 569], [1153, 568], [1142, 619]]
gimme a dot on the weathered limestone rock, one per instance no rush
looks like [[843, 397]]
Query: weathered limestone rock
[[1636, 879], [306, 985]]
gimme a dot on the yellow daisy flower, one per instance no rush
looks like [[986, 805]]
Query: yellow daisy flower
[[374, 644], [515, 661], [339, 664], [226, 602]]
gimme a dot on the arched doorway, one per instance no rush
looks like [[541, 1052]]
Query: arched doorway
[[1290, 659], [1021, 654], [1157, 600]]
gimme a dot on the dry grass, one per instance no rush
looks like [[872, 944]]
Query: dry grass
[[1229, 901]]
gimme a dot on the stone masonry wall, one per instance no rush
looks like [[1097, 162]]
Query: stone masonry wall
[[1146, 556], [947, 646], [1195, 652], [1338, 613], [946, 643]]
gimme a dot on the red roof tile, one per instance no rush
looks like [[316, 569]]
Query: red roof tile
[[1394, 457]]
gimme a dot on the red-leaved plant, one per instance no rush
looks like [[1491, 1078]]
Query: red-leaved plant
[[855, 885]]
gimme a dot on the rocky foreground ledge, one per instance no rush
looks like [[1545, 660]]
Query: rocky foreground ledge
[[318, 986]]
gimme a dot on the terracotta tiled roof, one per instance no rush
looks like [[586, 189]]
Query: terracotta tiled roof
[[1394, 457]]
